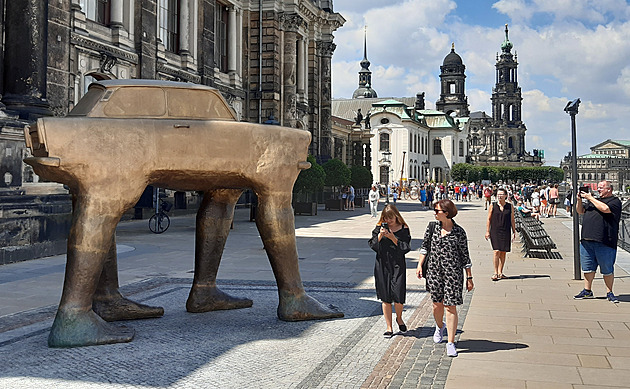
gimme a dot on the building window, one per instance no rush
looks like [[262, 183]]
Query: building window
[[461, 148], [222, 37], [169, 24], [437, 146], [384, 174], [384, 141], [97, 10]]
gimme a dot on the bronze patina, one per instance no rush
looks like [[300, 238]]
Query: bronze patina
[[125, 135]]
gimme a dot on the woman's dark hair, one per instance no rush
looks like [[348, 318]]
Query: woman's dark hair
[[447, 206], [505, 192]]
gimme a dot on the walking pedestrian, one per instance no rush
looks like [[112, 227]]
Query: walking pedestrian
[[500, 221], [373, 197], [446, 245], [487, 194], [351, 197], [600, 229], [554, 200], [391, 241]]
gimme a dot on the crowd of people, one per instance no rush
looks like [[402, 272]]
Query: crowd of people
[[444, 260]]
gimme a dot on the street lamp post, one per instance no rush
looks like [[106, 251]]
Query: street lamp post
[[387, 160], [572, 109], [425, 166]]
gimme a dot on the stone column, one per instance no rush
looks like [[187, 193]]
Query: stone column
[[291, 23], [300, 66], [184, 17], [231, 38], [239, 43], [116, 19], [327, 49], [25, 58]]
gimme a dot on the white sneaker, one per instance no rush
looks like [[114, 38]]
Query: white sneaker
[[451, 351], [438, 335]]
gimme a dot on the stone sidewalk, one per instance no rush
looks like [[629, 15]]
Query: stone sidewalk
[[524, 332]]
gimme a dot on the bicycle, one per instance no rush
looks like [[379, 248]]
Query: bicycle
[[160, 222]]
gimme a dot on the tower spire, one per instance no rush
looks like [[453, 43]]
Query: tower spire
[[365, 75]]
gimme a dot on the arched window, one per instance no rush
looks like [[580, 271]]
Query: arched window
[[590, 177], [461, 148], [437, 146], [510, 143], [384, 141]]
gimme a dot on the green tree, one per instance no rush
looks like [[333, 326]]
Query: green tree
[[310, 180], [360, 177], [337, 173]]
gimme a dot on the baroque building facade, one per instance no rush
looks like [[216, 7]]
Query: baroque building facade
[[499, 140], [267, 57], [608, 160], [271, 59]]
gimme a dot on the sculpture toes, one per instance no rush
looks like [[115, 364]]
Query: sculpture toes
[[76, 329], [125, 309], [205, 299], [304, 307]]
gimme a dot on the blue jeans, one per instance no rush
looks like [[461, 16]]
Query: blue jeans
[[593, 254]]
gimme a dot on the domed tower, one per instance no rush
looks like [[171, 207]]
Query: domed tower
[[506, 96], [453, 96], [365, 76], [507, 100]]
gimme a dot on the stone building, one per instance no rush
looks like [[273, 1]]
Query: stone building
[[499, 140], [609, 160], [267, 57]]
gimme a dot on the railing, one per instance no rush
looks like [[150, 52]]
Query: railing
[[624, 231]]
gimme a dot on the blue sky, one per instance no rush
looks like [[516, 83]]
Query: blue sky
[[566, 49]]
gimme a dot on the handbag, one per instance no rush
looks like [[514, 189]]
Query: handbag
[[425, 264]]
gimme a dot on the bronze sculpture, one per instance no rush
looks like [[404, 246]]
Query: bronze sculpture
[[124, 135]]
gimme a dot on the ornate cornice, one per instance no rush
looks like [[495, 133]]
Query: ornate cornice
[[178, 74], [100, 47]]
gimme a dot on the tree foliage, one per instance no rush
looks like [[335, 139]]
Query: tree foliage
[[470, 173], [361, 177], [337, 173], [310, 180]]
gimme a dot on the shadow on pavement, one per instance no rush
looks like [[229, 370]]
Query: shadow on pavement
[[486, 346], [527, 276]]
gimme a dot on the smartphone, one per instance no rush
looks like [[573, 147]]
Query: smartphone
[[385, 226], [585, 189]]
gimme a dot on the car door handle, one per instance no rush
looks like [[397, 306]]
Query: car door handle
[[181, 126]]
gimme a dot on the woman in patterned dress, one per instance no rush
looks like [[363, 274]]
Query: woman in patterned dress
[[447, 260], [500, 221], [391, 241]]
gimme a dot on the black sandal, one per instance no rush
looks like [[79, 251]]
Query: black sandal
[[402, 327], [388, 334]]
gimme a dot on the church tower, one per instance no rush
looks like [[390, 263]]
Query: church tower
[[365, 76], [506, 99], [452, 78]]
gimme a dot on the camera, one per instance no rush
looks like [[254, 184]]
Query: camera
[[585, 189], [385, 226]]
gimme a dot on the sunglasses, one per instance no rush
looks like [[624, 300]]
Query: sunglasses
[[438, 211]]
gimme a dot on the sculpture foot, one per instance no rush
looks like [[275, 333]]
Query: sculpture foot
[[211, 298], [121, 308], [80, 328], [303, 307]]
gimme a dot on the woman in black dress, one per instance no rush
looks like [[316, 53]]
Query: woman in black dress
[[500, 221], [391, 241]]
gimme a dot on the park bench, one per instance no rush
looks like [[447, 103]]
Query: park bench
[[535, 240]]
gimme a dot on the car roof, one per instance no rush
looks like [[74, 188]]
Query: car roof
[[150, 83]]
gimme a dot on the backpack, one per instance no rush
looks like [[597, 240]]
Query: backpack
[[487, 192]]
